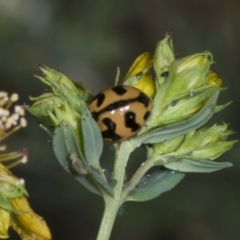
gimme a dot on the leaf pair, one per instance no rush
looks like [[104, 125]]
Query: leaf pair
[[81, 158]]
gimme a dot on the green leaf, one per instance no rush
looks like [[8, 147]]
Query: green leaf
[[196, 165], [70, 148], [93, 145], [62, 154], [92, 138], [175, 130], [160, 181]]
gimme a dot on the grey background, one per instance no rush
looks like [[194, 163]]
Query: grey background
[[87, 40]]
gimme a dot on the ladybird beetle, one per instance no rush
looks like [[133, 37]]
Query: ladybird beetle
[[120, 112]]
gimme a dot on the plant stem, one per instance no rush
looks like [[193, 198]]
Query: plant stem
[[145, 166], [112, 204], [123, 151], [109, 215]]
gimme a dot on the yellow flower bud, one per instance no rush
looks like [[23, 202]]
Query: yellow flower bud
[[27, 223], [188, 73], [142, 70], [4, 223], [141, 63], [213, 79]]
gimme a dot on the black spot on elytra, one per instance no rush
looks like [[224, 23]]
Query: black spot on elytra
[[143, 99], [111, 130], [116, 105], [119, 90], [100, 99], [130, 121], [146, 115], [95, 116]]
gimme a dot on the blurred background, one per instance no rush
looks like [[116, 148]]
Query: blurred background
[[87, 40]]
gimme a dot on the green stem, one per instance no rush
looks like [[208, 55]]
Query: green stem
[[123, 150], [112, 204], [136, 178], [109, 216]]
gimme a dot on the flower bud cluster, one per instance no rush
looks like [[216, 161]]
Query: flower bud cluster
[[62, 102], [205, 143]]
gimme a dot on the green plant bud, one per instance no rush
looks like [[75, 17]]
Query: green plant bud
[[148, 73], [214, 150], [42, 106], [54, 79], [185, 91], [163, 58], [83, 93], [185, 107], [63, 101], [63, 87], [193, 151], [66, 113], [52, 110], [188, 74], [60, 86], [204, 137], [167, 146]]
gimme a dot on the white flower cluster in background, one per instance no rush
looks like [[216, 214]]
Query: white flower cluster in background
[[8, 118], [11, 120]]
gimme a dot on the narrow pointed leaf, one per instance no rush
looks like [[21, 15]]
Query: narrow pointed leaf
[[93, 143], [197, 165], [157, 183]]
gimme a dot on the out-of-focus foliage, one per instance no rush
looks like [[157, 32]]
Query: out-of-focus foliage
[[87, 40]]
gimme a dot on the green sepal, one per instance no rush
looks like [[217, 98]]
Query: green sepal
[[83, 93], [188, 164], [13, 191], [221, 107], [168, 132], [131, 81], [160, 181], [62, 154], [163, 58], [183, 107], [6, 204], [43, 106]]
